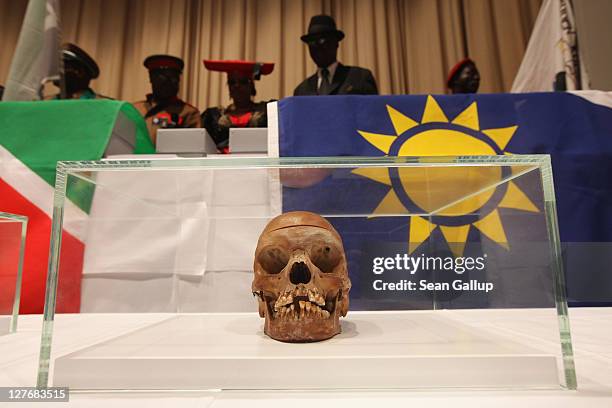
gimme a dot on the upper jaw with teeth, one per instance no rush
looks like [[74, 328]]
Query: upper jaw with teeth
[[300, 303]]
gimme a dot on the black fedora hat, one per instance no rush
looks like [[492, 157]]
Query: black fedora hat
[[322, 25], [71, 52]]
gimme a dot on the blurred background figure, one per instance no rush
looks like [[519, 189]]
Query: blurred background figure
[[463, 77], [162, 108], [243, 112], [79, 70], [331, 78], [1, 92]]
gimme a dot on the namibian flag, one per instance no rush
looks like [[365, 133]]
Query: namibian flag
[[33, 137], [575, 129]]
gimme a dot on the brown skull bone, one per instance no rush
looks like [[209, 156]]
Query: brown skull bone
[[301, 278]]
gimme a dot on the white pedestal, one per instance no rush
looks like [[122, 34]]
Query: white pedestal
[[374, 350], [5, 325]]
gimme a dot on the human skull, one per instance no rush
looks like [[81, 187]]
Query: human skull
[[301, 278]]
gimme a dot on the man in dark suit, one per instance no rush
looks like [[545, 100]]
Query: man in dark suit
[[332, 78]]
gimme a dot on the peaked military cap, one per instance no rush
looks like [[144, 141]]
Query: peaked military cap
[[72, 52], [160, 61]]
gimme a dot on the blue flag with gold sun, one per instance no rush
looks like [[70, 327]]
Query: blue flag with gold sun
[[508, 233]]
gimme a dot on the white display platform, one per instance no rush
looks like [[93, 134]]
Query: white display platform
[[374, 350], [5, 325]]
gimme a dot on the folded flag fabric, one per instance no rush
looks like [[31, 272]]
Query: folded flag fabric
[[34, 136]]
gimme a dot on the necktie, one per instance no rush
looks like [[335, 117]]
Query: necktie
[[325, 86]]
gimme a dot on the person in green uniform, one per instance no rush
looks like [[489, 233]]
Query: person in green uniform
[[79, 69]]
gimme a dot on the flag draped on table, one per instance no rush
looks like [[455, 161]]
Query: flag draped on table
[[576, 133], [34, 136]]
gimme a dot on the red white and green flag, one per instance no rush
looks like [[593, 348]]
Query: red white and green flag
[[34, 136]]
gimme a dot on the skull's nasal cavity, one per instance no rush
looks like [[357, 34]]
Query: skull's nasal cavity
[[299, 273]]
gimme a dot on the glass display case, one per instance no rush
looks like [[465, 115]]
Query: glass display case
[[454, 266], [13, 230]]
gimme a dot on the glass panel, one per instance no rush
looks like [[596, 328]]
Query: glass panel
[[12, 249], [453, 262]]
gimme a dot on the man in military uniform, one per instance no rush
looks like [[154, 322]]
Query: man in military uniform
[[79, 70], [163, 108], [332, 77]]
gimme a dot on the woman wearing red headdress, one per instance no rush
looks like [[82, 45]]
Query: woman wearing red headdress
[[243, 112]]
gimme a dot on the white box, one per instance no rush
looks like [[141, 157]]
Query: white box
[[185, 141], [248, 140]]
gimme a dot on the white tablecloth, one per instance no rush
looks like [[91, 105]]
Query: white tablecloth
[[591, 332], [160, 240]]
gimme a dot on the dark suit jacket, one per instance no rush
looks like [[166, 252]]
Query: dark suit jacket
[[347, 80]]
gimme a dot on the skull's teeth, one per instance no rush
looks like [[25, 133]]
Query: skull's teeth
[[300, 310], [283, 300], [315, 297]]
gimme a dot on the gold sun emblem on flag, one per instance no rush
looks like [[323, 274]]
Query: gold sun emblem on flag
[[453, 199]]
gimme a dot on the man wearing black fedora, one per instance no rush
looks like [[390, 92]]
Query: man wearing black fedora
[[332, 78]]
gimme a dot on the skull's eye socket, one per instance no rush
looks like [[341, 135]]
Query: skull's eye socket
[[325, 257], [273, 259]]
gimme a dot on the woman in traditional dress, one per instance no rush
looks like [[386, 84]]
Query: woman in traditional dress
[[243, 111]]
